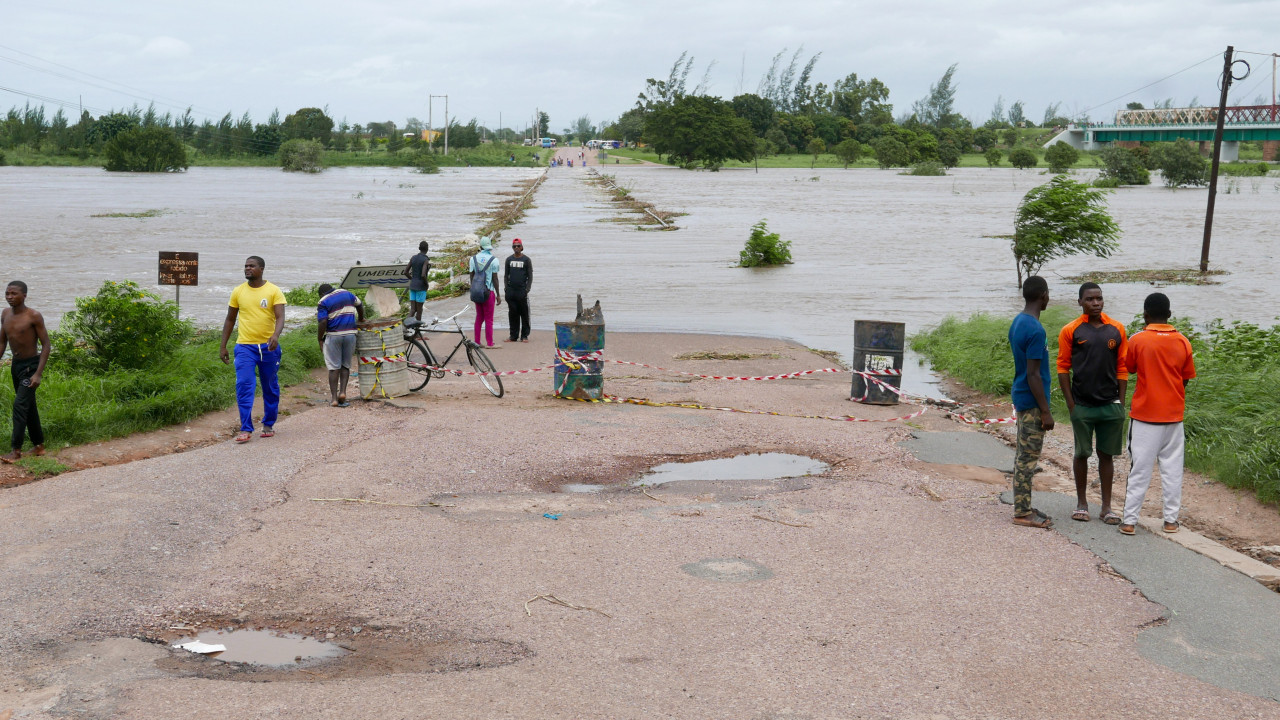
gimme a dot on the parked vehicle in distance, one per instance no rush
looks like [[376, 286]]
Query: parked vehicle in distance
[[548, 142], [528, 142]]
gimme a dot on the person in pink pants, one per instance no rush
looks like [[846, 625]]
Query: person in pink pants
[[485, 262]]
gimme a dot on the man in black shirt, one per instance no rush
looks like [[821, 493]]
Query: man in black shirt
[[517, 278], [418, 270]]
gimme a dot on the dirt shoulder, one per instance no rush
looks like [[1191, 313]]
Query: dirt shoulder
[[439, 546]]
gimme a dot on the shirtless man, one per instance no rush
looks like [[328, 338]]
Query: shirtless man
[[20, 328]]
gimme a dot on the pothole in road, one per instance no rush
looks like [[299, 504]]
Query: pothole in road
[[581, 488], [762, 466], [263, 647], [312, 649]]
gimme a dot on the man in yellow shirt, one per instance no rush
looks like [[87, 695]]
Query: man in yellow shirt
[[259, 305]]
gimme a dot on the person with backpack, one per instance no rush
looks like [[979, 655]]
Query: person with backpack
[[484, 290], [517, 276]]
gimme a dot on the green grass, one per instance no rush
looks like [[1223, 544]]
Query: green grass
[[42, 465], [143, 214], [77, 408], [1232, 421]]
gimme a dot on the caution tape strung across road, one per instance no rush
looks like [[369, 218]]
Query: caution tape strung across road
[[695, 406]]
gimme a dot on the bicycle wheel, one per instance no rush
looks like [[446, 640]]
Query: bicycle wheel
[[480, 363], [419, 357]]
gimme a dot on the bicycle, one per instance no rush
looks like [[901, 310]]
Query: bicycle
[[424, 365]]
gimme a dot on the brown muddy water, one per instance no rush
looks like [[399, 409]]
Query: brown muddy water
[[867, 244]]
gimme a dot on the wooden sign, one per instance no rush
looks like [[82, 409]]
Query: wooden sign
[[179, 268]]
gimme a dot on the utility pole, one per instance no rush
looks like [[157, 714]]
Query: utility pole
[[446, 126], [431, 124], [1217, 148]]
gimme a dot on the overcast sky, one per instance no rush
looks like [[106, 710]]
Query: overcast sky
[[379, 60]]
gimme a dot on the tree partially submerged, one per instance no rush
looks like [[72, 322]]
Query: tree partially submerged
[[153, 149], [1061, 157], [1180, 164], [1060, 218], [301, 156]]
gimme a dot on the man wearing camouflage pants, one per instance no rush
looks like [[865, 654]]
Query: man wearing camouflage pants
[[1029, 342]]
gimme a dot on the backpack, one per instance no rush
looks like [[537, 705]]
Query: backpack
[[480, 284]]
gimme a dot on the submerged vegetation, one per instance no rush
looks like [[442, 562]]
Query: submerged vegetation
[[1231, 418], [764, 248]]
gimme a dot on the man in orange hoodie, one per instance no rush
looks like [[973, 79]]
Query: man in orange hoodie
[[1094, 380]]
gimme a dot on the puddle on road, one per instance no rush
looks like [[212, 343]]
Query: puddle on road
[[263, 647], [581, 488], [764, 466]]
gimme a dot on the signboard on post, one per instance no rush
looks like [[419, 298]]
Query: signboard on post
[[178, 269], [368, 276]]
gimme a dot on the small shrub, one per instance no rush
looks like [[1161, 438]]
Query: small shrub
[[993, 156], [1061, 157], [1022, 158], [848, 151], [303, 295], [1180, 163], [123, 326], [1106, 182], [425, 162], [3, 162], [300, 155], [927, 168], [764, 248]]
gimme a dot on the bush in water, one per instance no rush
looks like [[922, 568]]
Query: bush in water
[[764, 248], [153, 149], [299, 155], [1061, 157]]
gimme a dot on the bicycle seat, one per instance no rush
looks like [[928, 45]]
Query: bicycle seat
[[411, 323]]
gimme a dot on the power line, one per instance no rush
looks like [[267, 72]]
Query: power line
[[1144, 87]]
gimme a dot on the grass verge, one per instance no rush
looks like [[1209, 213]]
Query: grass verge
[[1167, 276], [77, 408], [1232, 422]]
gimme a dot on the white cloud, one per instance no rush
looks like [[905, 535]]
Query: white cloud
[[163, 47]]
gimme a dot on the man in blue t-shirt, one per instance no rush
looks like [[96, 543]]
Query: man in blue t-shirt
[[338, 312], [1030, 347]]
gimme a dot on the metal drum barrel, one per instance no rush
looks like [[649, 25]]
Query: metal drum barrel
[[579, 379], [380, 354], [877, 350]]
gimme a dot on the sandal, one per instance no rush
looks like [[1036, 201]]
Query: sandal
[[1171, 527], [268, 432], [244, 437], [1111, 518], [1080, 515], [1036, 519], [1127, 529]]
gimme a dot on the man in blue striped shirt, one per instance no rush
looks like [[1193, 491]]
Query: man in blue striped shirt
[[338, 312]]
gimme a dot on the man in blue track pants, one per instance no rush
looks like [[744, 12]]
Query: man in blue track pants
[[259, 306]]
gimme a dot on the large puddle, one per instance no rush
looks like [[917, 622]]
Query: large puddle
[[263, 647], [763, 466]]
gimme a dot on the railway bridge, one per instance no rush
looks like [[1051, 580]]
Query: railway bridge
[[1240, 124]]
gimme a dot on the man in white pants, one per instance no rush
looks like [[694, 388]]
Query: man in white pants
[[1161, 358]]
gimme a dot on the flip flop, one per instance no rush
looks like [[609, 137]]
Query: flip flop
[[1080, 515], [1111, 518], [1036, 519], [244, 437], [268, 432], [344, 404]]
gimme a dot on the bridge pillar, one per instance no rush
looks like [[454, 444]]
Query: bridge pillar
[[1230, 150], [1269, 150]]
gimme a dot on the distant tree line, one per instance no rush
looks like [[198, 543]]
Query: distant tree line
[[790, 112]]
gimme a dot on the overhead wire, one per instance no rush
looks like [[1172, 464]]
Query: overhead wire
[[1150, 84]]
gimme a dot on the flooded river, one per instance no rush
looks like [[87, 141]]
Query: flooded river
[[867, 244]]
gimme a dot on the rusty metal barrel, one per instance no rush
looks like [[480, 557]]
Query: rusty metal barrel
[[380, 347], [579, 369], [877, 351]]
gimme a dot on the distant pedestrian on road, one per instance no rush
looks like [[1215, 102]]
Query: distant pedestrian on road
[[1094, 379], [337, 314], [485, 266], [1161, 357], [517, 278], [1030, 347], [20, 329], [259, 307], [418, 270]]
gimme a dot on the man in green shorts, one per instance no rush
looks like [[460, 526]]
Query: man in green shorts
[[1093, 376]]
